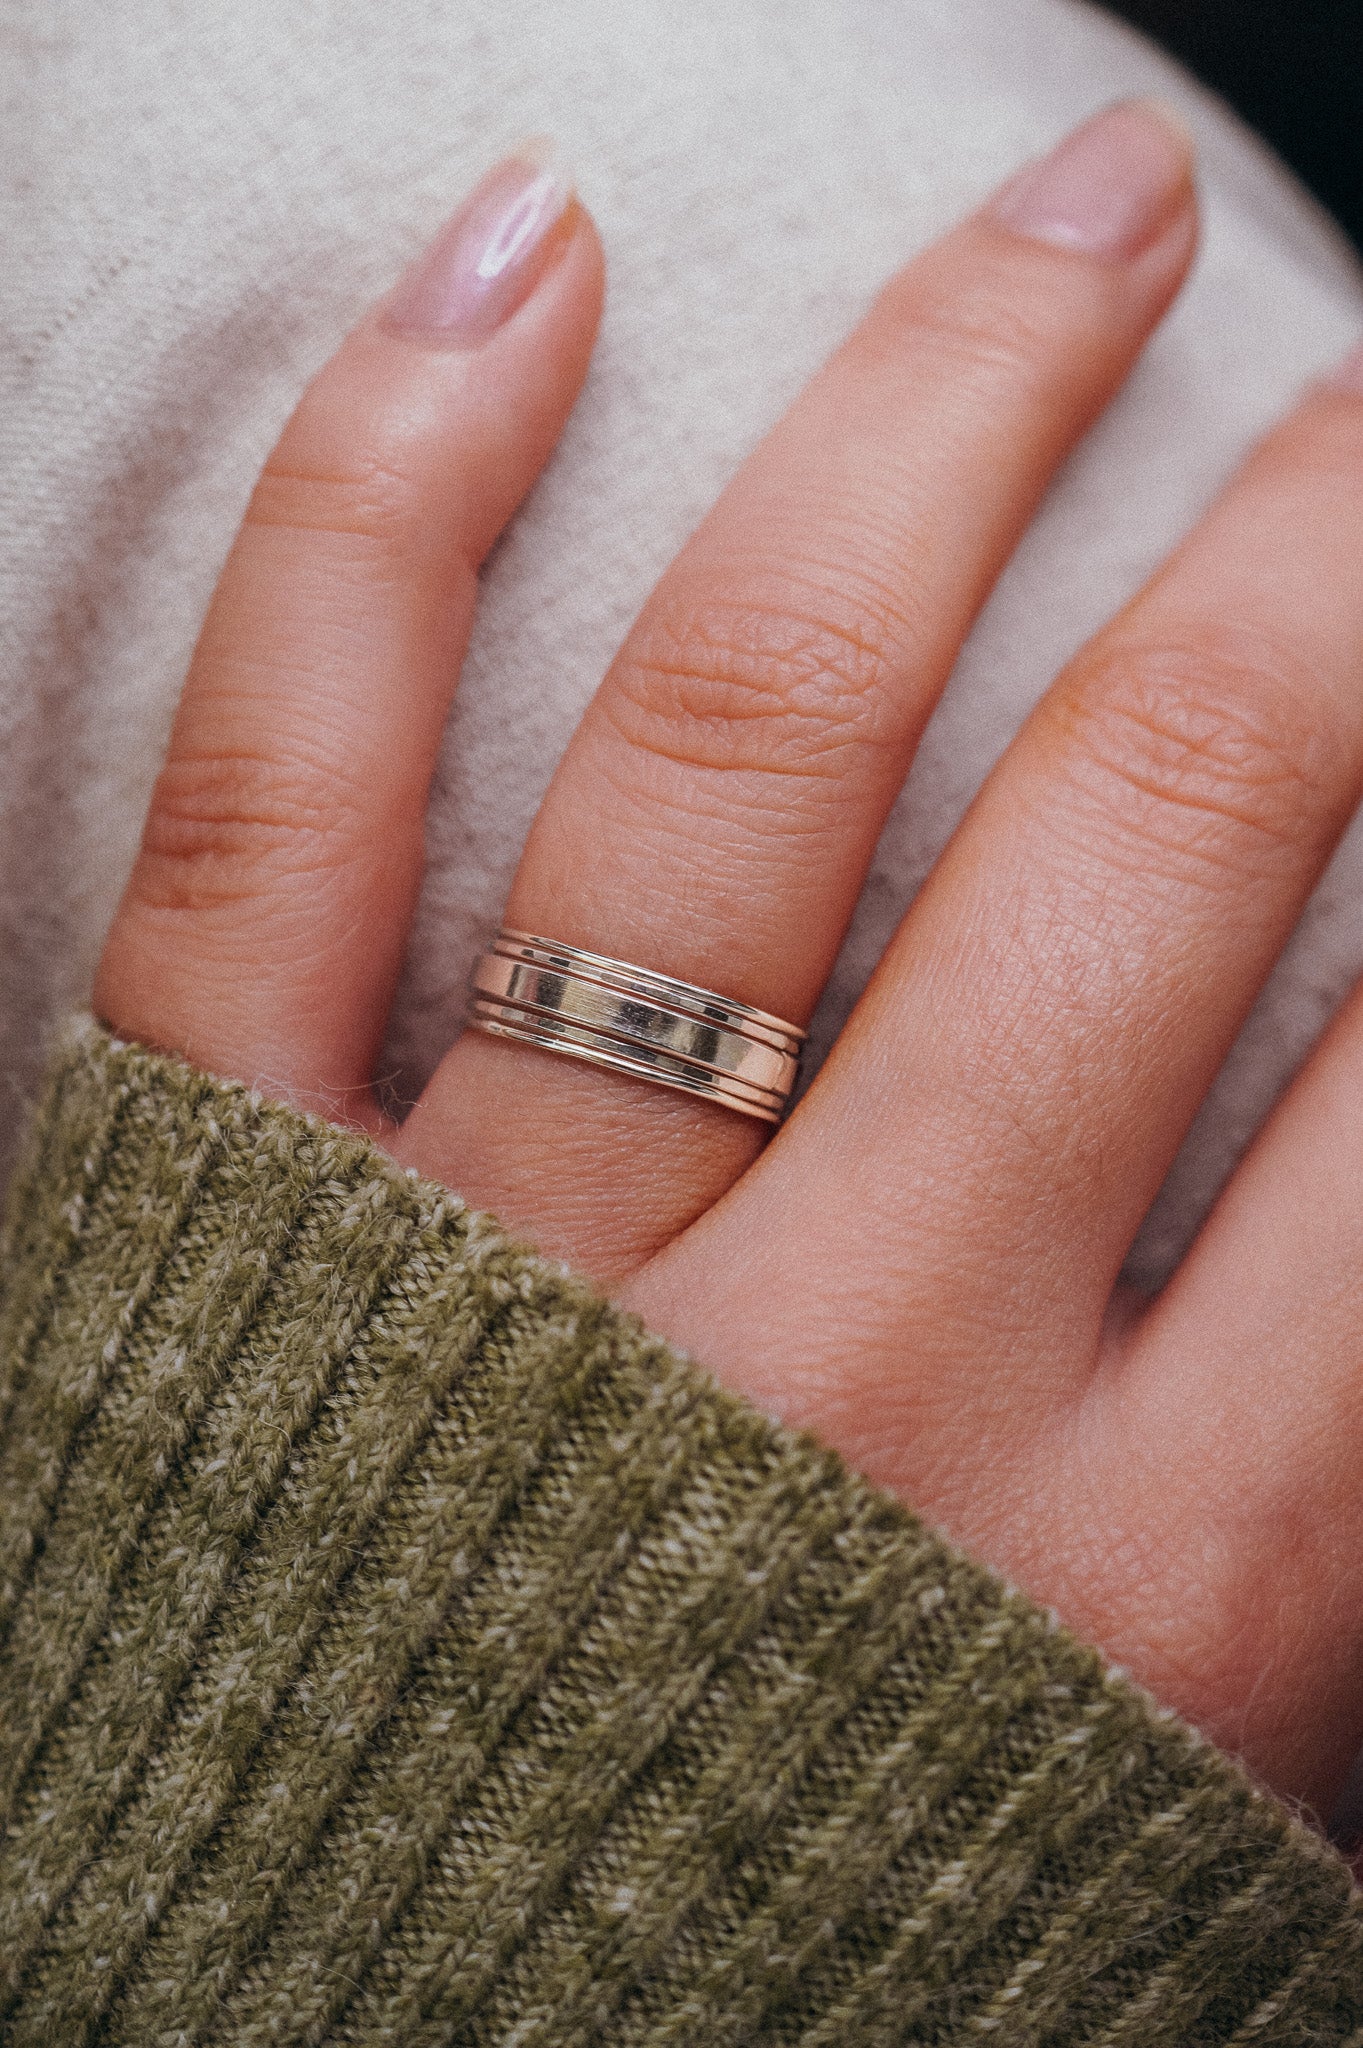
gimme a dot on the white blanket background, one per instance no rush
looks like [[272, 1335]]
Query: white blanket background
[[198, 196]]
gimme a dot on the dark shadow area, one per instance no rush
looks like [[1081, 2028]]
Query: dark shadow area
[[1292, 68]]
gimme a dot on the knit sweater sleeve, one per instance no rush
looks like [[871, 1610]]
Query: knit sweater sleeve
[[401, 1646]]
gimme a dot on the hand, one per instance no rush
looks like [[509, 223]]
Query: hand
[[920, 1267]]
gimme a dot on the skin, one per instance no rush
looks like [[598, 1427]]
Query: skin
[[921, 1266]]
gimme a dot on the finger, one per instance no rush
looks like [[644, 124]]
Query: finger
[[265, 919], [715, 814], [961, 1186], [1257, 1349], [1269, 1307]]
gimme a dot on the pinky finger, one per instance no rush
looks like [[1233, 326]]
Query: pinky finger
[[264, 924]]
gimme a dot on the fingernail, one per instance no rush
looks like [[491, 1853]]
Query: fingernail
[[1349, 374], [488, 258], [1109, 189]]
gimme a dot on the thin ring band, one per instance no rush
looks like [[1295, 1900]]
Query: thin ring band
[[632, 1021]]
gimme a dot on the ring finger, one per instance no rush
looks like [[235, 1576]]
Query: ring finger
[[715, 814]]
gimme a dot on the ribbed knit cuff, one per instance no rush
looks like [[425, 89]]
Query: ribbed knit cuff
[[400, 1646]]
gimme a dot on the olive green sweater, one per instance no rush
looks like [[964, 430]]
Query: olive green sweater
[[401, 1646]]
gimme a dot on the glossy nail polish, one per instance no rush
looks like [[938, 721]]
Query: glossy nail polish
[[1109, 190], [489, 256]]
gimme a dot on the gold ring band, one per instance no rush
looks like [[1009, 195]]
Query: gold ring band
[[632, 1021]]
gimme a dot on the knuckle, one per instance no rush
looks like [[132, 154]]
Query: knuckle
[[225, 829], [988, 331], [784, 690], [369, 502], [1239, 1627], [1221, 745]]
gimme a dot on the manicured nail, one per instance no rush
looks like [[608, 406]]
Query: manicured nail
[[1349, 375], [1109, 189], [488, 258]]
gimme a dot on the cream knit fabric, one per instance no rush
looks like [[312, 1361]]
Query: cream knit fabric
[[197, 197]]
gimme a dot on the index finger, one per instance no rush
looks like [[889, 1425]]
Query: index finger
[[266, 918]]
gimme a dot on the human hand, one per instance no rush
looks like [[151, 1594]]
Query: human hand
[[922, 1266]]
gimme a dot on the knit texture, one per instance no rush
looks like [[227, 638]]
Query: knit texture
[[198, 199], [402, 1646]]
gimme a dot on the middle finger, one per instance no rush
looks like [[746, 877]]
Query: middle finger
[[715, 814]]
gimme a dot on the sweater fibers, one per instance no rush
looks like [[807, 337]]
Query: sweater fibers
[[402, 1646], [199, 197]]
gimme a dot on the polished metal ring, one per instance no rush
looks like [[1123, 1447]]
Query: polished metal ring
[[613, 1015]]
